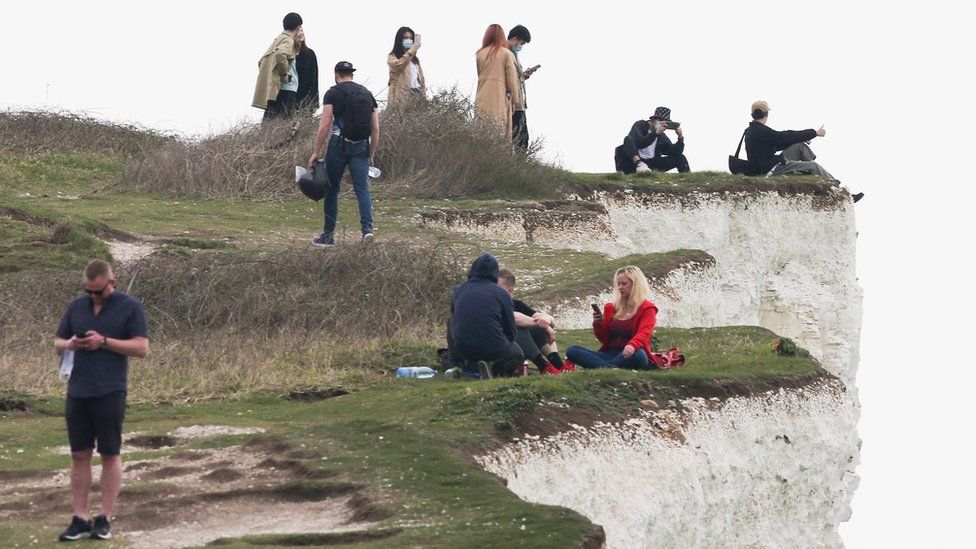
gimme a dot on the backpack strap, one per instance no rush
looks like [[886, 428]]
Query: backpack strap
[[739, 148]]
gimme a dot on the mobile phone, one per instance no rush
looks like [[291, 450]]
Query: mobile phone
[[671, 125], [595, 307], [417, 36], [535, 68], [81, 335]]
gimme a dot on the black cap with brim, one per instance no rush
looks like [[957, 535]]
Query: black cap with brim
[[344, 66]]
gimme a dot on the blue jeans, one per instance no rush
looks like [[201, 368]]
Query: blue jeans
[[595, 359], [342, 153]]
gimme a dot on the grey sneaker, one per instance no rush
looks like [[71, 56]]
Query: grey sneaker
[[78, 529], [484, 369], [367, 239], [101, 528]]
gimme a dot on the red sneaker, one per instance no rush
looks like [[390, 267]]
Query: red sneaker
[[568, 366], [551, 370]]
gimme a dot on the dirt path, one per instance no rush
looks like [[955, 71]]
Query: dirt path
[[194, 496]]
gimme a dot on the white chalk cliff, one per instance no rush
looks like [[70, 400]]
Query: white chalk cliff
[[772, 470]]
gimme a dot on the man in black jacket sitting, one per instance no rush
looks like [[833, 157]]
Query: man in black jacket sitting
[[647, 147], [481, 331], [763, 142]]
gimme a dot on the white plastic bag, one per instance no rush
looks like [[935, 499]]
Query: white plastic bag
[[67, 364], [300, 172]]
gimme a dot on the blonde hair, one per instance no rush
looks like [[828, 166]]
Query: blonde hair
[[640, 290]]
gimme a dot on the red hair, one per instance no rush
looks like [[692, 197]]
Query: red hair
[[494, 39]]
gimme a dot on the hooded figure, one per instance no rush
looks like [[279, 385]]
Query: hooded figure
[[483, 325]]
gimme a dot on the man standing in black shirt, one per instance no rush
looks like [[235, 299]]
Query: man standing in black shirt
[[646, 147], [351, 125], [102, 329]]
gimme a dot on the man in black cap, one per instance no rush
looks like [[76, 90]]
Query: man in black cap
[[647, 147], [351, 125]]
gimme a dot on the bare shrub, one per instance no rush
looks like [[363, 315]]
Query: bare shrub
[[436, 148], [247, 161], [428, 148], [223, 323], [48, 131]]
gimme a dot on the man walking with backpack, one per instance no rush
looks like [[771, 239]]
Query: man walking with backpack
[[350, 122]]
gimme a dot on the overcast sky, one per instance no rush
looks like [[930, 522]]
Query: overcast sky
[[889, 81]]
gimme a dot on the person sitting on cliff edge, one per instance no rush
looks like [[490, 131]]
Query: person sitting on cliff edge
[[536, 332], [762, 144]]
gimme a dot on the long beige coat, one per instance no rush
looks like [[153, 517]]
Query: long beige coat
[[498, 87], [271, 67], [399, 85]]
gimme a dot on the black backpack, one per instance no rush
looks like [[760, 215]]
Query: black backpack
[[357, 118]]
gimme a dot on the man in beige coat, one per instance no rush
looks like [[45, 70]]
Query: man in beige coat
[[274, 64]]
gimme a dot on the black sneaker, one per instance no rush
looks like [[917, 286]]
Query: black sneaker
[[324, 240], [857, 196], [101, 529], [78, 529]]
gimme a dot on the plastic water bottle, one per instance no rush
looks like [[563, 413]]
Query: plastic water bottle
[[421, 372], [374, 172]]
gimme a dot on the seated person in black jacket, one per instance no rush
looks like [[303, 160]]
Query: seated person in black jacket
[[536, 331], [481, 331], [763, 142], [647, 147]]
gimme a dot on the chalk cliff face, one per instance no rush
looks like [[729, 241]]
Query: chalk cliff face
[[772, 470], [769, 471]]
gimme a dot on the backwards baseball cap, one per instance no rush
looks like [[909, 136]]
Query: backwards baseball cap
[[344, 66], [662, 113], [761, 106]]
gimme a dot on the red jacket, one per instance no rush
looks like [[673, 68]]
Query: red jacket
[[643, 321]]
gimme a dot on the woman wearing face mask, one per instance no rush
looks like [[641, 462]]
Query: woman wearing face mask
[[307, 66], [624, 328], [498, 95], [406, 75]]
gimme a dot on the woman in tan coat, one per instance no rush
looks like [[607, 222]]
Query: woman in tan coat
[[498, 93], [406, 76]]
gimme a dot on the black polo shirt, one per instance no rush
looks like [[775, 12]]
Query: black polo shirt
[[98, 373]]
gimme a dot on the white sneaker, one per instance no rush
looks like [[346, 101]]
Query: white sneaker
[[642, 167], [367, 239]]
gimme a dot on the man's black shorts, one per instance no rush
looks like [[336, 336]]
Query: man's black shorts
[[98, 418]]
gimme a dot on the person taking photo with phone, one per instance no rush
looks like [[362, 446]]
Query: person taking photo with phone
[[406, 75], [103, 328], [647, 148], [518, 37], [624, 327]]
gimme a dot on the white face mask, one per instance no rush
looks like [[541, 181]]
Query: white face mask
[[407, 43]]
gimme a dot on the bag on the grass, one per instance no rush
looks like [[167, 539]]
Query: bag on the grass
[[668, 359]]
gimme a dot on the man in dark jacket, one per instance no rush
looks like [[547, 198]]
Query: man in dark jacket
[[763, 142], [646, 147], [482, 326]]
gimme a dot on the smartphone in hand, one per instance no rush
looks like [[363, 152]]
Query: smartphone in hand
[[595, 307]]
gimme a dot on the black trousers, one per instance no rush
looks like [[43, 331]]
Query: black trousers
[[667, 163], [504, 362], [283, 106], [520, 131]]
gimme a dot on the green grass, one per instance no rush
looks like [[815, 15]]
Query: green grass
[[408, 440], [694, 181]]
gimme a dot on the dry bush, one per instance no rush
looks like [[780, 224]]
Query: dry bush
[[248, 161], [222, 323], [61, 131], [429, 148], [436, 148]]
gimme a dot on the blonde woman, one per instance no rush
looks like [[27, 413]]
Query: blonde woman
[[498, 95], [624, 328]]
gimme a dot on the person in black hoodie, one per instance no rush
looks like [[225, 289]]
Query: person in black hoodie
[[307, 65], [482, 326], [647, 145]]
